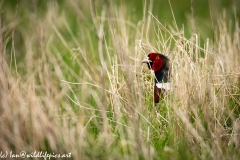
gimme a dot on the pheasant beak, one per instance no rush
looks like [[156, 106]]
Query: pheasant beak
[[146, 60]]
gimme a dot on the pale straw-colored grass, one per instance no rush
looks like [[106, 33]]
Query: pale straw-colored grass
[[85, 91]]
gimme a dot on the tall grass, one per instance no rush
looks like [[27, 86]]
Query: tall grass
[[73, 85]]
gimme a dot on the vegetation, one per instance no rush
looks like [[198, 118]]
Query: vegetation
[[72, 81]]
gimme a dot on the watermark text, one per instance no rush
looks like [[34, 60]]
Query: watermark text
[[35, 154]]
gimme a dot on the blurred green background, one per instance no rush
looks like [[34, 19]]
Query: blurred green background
[[182, 9], [201, 14]]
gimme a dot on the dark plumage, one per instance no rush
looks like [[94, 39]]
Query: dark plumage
[[159, 63]]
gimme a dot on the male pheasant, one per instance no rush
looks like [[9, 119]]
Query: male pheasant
[[159, 63]]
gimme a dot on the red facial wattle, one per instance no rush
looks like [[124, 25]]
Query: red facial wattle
[[157, 61]]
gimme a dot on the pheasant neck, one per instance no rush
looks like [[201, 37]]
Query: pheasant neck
[[161, 77]]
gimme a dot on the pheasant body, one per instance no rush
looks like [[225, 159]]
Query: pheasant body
[[159, 63]]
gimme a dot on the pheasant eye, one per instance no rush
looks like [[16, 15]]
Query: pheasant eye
[[157, 57]]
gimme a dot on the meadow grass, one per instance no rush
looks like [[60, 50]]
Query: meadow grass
[[73, 85]]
